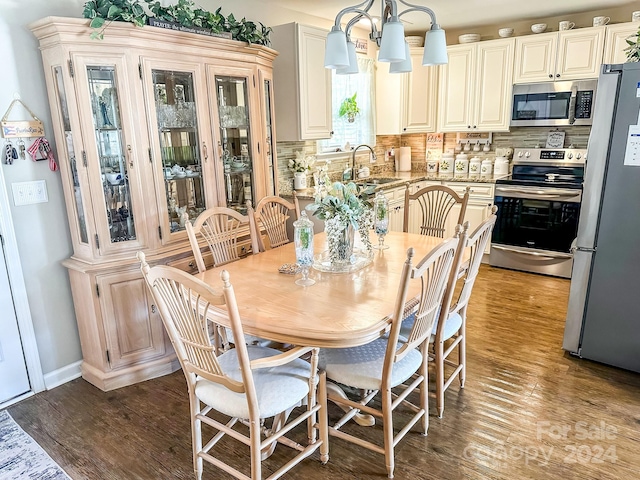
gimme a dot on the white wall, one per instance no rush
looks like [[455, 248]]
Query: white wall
[[42, 229]]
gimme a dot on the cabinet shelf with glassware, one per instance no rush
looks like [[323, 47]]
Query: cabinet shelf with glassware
[[136, 135]]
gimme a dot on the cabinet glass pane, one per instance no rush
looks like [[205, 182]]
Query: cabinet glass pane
[[178, 133], [73, 169], [236, 141], [111, 151], [269, 140]]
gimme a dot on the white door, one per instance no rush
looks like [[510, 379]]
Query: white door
[[14, 380]]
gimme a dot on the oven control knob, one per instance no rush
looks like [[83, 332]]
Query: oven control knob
[[578, 156], [570, 156], [520, 154], [527, 154]]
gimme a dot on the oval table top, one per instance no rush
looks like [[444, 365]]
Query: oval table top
[[339, 310]]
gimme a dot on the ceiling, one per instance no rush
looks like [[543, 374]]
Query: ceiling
[[454, 14]]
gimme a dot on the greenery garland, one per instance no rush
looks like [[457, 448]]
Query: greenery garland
[[185, 13], [633, 49]]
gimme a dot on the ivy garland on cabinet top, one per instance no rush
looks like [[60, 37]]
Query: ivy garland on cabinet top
[[184, 13], [633, 50]]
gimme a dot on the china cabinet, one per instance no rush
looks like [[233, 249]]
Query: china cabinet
[[475, 87], [303, 84], [616, 41], [152, 126], [567, 55]]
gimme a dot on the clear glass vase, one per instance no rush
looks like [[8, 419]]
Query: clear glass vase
[[381, 219], [303, 241]]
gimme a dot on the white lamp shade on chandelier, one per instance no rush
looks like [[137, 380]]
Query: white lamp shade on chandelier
[[435, 48], [340, 52], [336, 54], [353, 61]]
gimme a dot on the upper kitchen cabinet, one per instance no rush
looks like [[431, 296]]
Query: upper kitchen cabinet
[[566, 55], [152, 127], [302, 84], [616, 41], [406, 102], [475, 87]]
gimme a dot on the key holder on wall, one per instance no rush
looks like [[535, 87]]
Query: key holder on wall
[[21, 129]]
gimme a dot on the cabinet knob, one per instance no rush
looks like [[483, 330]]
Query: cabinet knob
[[331, 132], [551, 75], [205, 152], [404, 129], [153, 309], [557, 75], [191, 264], [468, 126], [475, 126]]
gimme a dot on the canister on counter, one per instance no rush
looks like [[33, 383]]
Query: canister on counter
[[462, 165], [486, 169], [446, 163], [475, 165]]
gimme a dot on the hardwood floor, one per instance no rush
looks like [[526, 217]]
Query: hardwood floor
[[528, 410]]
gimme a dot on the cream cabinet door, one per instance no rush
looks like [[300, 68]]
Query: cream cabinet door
[[420, 104], [580, 53], [494, 84], [457, 90], [396, 215], [315, 84], [390, 98], [616, 41], [535, 58], [133, 328]]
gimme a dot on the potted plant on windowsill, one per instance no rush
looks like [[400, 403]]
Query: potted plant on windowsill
[[349, 108]]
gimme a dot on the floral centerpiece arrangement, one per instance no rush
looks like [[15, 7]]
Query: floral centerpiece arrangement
[[345, 209]]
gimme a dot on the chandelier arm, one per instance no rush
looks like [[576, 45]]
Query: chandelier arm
[[419, 8], [361, 13], [353, 8]]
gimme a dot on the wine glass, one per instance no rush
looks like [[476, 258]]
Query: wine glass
[[303, 241], [381, 219]]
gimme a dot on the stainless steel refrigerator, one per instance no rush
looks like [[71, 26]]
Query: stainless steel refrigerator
[[603, 317]]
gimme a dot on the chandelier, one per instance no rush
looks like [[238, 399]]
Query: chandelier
[[340, 53]]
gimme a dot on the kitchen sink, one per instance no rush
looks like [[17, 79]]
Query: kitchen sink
[[377, 181]]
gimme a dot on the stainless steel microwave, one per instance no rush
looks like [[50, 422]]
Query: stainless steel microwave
[[553, 103]]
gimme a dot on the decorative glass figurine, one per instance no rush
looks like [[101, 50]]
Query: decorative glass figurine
[[303, 241], [381, 219]]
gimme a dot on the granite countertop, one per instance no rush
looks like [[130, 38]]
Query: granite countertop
[[401, 179]]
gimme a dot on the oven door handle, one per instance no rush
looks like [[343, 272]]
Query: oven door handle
[[540, 193], [557, 256]]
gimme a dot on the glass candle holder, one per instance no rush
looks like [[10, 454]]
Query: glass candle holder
[[381, 219], [303, 241]]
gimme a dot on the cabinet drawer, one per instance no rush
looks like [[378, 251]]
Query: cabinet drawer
[[188, 264], [476, 189]]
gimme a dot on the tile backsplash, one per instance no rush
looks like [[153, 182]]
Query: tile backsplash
[[522, 137]]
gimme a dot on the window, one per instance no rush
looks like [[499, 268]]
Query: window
[[362, 130]]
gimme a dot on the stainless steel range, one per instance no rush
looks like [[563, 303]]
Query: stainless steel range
[[538, 211]]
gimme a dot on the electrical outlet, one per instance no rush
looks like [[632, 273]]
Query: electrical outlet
[[27, 193]]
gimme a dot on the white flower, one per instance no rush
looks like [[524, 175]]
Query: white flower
[[301, 163]]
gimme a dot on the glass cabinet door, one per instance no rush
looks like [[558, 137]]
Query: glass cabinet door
[[269, 133], [79, 222], [235, 140], [112, 153], [179, 141]]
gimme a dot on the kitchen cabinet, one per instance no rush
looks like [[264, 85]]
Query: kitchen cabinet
[[302, 83], [616, 41], [567, 55], [152, 126], [406, 102], [475, 87]]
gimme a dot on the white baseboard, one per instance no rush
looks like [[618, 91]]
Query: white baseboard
[[62, 375]]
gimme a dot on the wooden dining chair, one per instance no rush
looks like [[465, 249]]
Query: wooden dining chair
[[247, 384], [271, 215], [220, 228], [383, 364], [435, 203]]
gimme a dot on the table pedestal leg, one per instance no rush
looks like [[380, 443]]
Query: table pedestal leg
[[361, 419]]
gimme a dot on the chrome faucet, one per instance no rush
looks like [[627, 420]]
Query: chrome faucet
[[349, 172]]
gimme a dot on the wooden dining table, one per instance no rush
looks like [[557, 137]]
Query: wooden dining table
[[339, 310]]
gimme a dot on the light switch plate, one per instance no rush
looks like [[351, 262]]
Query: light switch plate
[[27, 193]]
